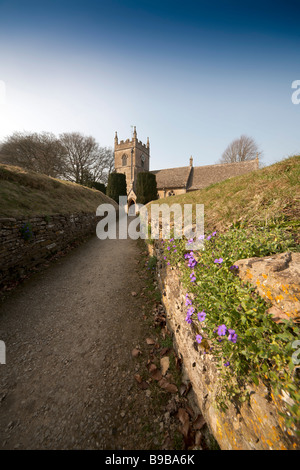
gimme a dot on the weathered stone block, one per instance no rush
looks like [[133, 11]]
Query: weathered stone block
[[276, 279]]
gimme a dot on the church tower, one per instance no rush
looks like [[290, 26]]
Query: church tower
[[131, 158]]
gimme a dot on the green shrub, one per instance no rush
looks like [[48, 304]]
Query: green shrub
[[146, 188], [116, 186], [99, 186]]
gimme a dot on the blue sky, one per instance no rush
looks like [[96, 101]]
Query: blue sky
[[191, 75]]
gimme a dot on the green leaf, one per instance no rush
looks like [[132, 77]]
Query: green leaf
[[255, 379], [291, 365]]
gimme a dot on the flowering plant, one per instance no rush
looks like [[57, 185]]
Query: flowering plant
[[26, 231], [230, 318]]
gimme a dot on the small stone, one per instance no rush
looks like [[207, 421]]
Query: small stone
[[150, 341], [135, 352], [165, 364]]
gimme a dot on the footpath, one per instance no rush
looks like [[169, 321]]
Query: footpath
[[89, 362]]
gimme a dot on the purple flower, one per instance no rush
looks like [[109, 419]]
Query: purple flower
[[199, 338], [201, 315], [222, 330], [232, 336], [165, 257], [234, 266], [190, 256], [168, 248], [227, 364], [218, 261], [192, 262], [193, 277], [189, 314], [201, 237], [214, 233], [190, 311], [209, 237], [171, 239], [187, 301]]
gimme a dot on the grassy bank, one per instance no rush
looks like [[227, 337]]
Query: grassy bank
[[261, 197], [26, 193]]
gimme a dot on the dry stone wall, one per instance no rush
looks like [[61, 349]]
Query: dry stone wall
[[21, 250], [254, 426]]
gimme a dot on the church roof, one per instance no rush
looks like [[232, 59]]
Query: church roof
[[198, 177], [172, 177], [203, 176]]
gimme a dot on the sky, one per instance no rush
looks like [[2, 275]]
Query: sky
[[190, 75]]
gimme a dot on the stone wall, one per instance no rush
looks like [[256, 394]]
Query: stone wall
[[165, 192], [254, 426], [277, 279], [49, 234]]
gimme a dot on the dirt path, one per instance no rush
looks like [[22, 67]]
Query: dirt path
[[69, 331]]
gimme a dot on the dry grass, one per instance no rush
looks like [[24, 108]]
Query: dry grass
[[28, 193], [260, 197]]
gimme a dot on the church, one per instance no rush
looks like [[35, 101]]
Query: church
[[133, 156]]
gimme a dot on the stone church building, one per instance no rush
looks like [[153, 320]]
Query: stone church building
[[132, 157]]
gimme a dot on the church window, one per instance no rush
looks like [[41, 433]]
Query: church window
[[124, 160]]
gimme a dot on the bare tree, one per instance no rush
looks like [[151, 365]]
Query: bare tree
[[103, 165], [80, 155], [72, 156], [85, 160], [240, 150], [38, 152]]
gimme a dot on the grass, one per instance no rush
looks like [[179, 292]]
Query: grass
[[27, 193], [261, 197]]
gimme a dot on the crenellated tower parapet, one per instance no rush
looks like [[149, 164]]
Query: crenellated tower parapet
[[131, 157]]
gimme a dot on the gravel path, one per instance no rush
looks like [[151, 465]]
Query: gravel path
[[69, 331]]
